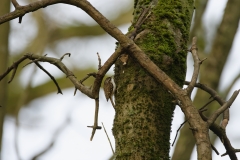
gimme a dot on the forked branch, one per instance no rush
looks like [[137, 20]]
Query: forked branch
[[219, 130], [225, 106], [54, 61]]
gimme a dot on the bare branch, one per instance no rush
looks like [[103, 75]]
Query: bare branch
[[15, 3], [216, 97], [221, 133], [141, 19], [33, 61], [69, 54], [178, 131], [95, 126], [99, 61], [226, 105], [197, 62], [22, 10], [64, 69], [85, 78], [55, 82], [14, 68], [17, 6], [209, 90], [215, 150], [93, 74], [103, 70], [225, 119], [235, 150], [70, 75], [55, 62], [203, 107], [108, 138]]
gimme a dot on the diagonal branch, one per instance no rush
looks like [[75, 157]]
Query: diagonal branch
[[209, 90], [223, 108], [15, 3], [14, 68], [55, 82], [20, 11], [108, 138]]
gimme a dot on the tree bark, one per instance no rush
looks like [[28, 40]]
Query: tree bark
[[144, 109]]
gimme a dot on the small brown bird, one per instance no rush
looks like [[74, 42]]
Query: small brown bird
[[109, 89], [124, 58]]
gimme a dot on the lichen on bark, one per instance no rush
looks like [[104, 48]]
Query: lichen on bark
[[144, 108]]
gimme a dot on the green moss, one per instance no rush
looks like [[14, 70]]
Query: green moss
[[144, 113]]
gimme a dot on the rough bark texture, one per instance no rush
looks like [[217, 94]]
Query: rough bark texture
[[144, 109], [4, 31], [211, 71]]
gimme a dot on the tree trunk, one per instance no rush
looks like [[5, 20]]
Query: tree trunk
[[4, 31], [144, 109]]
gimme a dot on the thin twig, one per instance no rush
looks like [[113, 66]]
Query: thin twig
[[13, 67], [69, 54], [215, 150], [202, 108], [108, 138], [13, 73], [55, 82], [93, 74], [141, 19], [235, 150], [178, 131], [99, 61]]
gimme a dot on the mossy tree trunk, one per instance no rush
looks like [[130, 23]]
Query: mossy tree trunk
[[144, 109]]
